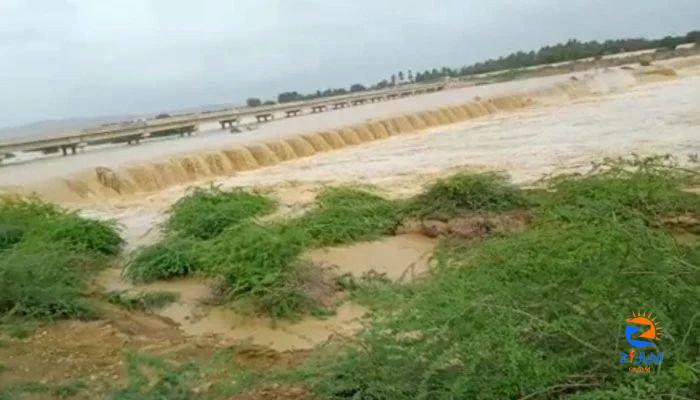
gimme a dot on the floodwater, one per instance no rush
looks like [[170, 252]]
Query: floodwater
[[195, 317], [399, 258], [134, 172], [657, 117], [654, 118]]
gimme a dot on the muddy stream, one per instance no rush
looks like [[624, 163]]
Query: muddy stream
[[400, 258]]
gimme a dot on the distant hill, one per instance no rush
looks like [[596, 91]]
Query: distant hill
[[58, 126], [53, 127]]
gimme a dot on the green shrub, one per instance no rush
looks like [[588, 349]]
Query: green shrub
[[46, 256], [69, 389], [258, 262], [345, 214], [646, 188], [211, 233], [18, 327], [33, 219], [466, 193], [540, 314], [147, 301], [27, 211], [44, 280], [22, 390], [10, 235], [164, 260], [205, 213], [87, 234], [152, 378], [17, 217], [12, 391]]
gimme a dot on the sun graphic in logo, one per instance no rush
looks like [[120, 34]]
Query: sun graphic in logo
[[639, 322]]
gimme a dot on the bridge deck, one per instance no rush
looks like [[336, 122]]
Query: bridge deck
[[186, 124]]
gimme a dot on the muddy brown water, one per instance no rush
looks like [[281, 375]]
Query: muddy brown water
[[400, 258], [195, 318]]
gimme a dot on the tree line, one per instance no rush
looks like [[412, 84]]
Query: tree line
[[571, 50]]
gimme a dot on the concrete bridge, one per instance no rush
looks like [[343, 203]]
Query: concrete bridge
[[134, 132], [116, 133]]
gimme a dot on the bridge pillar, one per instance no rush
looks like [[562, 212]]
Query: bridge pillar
[[187, 131], [264, 117], [72, 147], [229, 122]]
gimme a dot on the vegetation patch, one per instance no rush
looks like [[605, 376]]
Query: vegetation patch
[[541, 313], [43, 281], [14, 390], [346, 214], [35, 389], [632, 189], [173, 257], [18, 327], [146, 301], [153, 378], [69, 389], [466, 193], [34, 220], [205, 213], [9, 235], [46, 256], [259, 262]]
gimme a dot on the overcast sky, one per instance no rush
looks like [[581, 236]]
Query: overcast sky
[[77, 58]]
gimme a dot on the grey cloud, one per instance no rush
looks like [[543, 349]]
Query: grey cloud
[[64, 58]]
